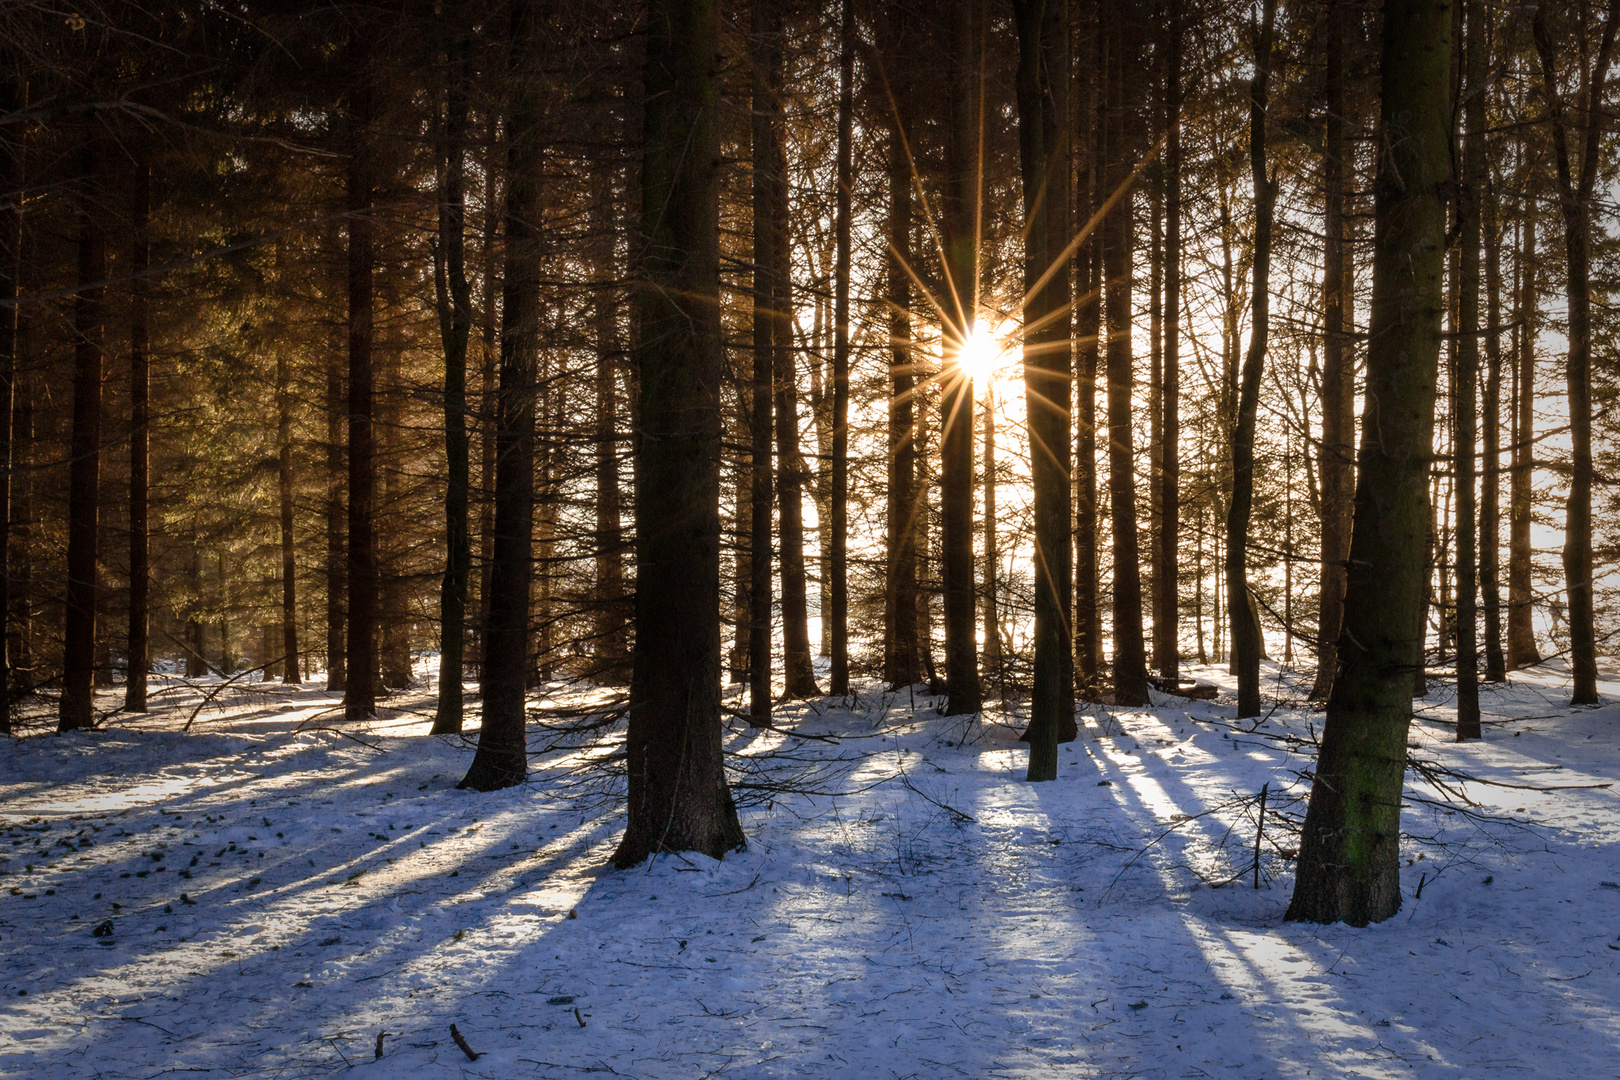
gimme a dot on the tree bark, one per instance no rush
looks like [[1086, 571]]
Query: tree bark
[[761, 591], [454, 297], [1490, 504], [1575, 203], [962, 207], [1247, 643], [12, 97], [139, 434], [994, 669], [1521, 644], [1088, 336], [1045, 154], [902, 651], [838, 560], [360, 687], [1349, 866], [502, 756], [798, 672], [1336, 457], [611, 630], [1130, 656], [678, 799], [337, 558], [284, 493], [1167, 572], [1465, 401], [77, 707]]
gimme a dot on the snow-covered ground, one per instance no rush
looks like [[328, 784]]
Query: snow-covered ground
[[266, 894]]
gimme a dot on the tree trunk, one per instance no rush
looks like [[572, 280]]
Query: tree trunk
[[1521, 644], [502, 756], [12, 96], [678, 799], [1349, 866], [963, 186], [20, 567], [1045, 155], [994, 671], [1130, 656], [612, 626], [902, 651], [1088, 331], [489, 384], [1336, 457], [1247, 644], [761, 592], [337, 558], [1490, 505], [838, 560], [454, 297], [139, 436], [1167, 572], [1465, 401], [798, 672], [77, 709], [360, 687], [1575, 202], [284, 491]]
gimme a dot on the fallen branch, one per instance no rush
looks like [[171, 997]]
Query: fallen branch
[[461, 1042]]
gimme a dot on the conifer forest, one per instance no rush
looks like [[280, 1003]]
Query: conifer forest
[[809, 538]]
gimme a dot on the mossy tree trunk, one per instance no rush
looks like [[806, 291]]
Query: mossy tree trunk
[[1349, 866]]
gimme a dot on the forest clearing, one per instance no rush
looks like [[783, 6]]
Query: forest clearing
[[937, 917]]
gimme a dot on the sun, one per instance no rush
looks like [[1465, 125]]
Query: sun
[[983, 355]]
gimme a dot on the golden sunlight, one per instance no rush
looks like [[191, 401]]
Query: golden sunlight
[[987, 351]]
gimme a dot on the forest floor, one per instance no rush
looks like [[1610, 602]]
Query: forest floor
[[265, 894]]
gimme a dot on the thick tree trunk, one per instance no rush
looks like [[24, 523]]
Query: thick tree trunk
[[1247, 644], [454, 297], [360, 687], [1465, 402], [77, 709], [502, 756], [1045, 144], [1575, 202], [1521, 634], [1336, 458], [139, 438], [963, 184], [1130, 656], [838, 558], [678, 799], [1349, 866]]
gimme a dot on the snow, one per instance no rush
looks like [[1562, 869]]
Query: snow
[[276, 889]]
